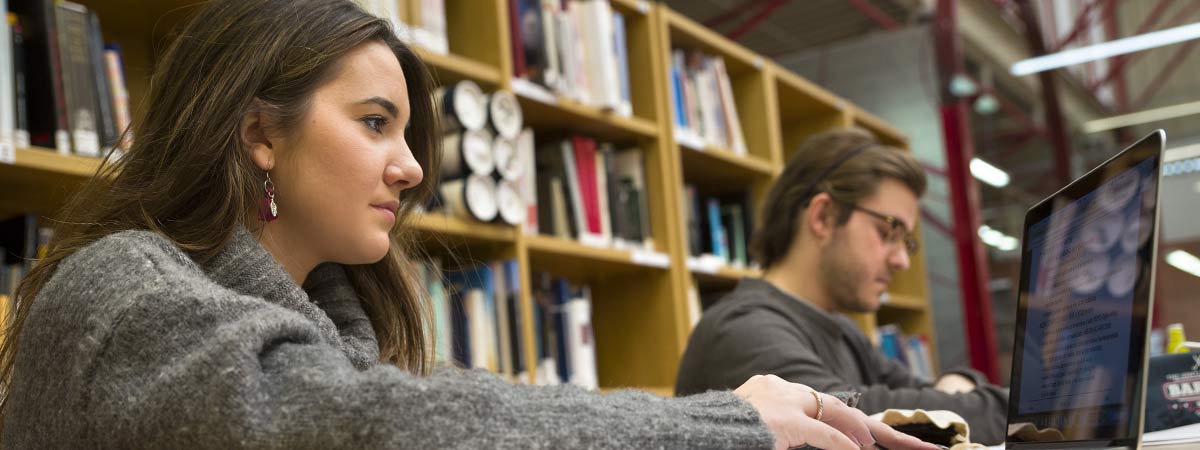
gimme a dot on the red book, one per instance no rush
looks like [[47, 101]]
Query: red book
[[518, 45], [585, 168]]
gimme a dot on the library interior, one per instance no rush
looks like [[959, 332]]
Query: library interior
[[615, 176]]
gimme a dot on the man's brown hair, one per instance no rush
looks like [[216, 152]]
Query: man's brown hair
[[811, 171]]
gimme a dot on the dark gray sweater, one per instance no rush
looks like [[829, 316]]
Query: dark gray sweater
[[132, 345], [758, 329]]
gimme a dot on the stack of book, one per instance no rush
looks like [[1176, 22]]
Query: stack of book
[[565, 346], [23, 241], [60, 86], [912, 351], [576, 49], [719, 226], [703, 103], [592, 192], [477, 316]]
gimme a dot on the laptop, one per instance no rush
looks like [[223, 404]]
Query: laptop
[[1083, 307]]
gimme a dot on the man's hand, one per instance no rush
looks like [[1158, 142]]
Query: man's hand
[[953, 383]]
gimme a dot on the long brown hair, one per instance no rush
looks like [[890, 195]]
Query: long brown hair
[[855, 179], [188, 178]]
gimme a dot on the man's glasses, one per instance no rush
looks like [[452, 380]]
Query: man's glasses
[[897, 232]]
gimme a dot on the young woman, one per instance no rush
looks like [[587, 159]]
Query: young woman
[[236, 280]]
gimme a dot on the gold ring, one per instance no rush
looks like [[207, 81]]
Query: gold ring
[[820, 404]]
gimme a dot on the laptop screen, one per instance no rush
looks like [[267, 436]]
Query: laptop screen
[[1083, 301]]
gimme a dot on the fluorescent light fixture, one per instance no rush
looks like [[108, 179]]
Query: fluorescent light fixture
[[998, 239], [1184, 261], [1107, 49], [1140, 117], [988, 173]]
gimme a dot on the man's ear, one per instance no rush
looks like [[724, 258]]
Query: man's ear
[[820, 218], [253, 135]]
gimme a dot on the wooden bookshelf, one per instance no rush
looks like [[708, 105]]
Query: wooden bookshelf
[[450, 69], [640, 313]]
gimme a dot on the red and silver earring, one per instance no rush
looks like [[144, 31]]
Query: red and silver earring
[[268, 212]]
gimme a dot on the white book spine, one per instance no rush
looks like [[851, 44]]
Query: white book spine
[[581, 343], [8, 91]]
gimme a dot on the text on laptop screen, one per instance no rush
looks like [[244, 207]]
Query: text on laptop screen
[[1084, 262]]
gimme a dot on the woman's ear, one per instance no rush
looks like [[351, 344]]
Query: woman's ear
[[253, 134]]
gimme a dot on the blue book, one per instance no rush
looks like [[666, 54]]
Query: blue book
[[720, 245], [463, 315], [512, 281], [562, 294], [677, 94]]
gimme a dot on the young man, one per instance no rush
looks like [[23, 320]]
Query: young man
[[835, 228]]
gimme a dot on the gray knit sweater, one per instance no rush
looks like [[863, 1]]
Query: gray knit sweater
[[132, 345]]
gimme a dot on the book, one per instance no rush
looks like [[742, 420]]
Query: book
[[106, 117], [120, 95], [625, 106], [429, 25], [8, 91], [21, 92], [581, 344], [77, 76], [43, 75]]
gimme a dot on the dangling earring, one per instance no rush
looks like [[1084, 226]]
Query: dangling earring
[[268, 212]]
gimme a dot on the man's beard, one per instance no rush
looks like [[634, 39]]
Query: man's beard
[[844, 278]]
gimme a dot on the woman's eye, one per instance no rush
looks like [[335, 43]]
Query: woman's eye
[[375, 123]]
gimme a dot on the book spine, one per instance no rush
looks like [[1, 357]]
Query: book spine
[[103, 93], [8, 92], [20, 86], [517, 37], [77, 78], [120, 95]]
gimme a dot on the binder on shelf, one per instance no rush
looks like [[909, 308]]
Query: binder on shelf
[[428, 28]]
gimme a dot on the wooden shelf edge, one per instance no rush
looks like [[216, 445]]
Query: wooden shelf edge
[[49, 160], [530, 93], [729, 49], [699, 269], [460, 65], [878, 125], [641, 6], [441, 224], [570, 248], [905, 302], [744, 162], [795, 82]]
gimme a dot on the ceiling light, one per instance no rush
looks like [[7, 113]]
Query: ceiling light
[[998, 239], [1107, 49], [988, 173], [1184, 261], [1140, 117]]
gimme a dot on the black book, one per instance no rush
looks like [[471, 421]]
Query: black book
[[78, 79], [19, 83], [43, 76]]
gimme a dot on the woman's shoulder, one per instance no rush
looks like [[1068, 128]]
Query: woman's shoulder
[[127, 261], [130, 250]]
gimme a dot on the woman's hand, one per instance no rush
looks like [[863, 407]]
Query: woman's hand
[[790, 412]]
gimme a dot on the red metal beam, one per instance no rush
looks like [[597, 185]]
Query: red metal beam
[[733, 13], [1082, 22], [1055, 124], [1119, 62], [881, 18], [1112, 30], [978, 326], [1163, 75], [757, 20]]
